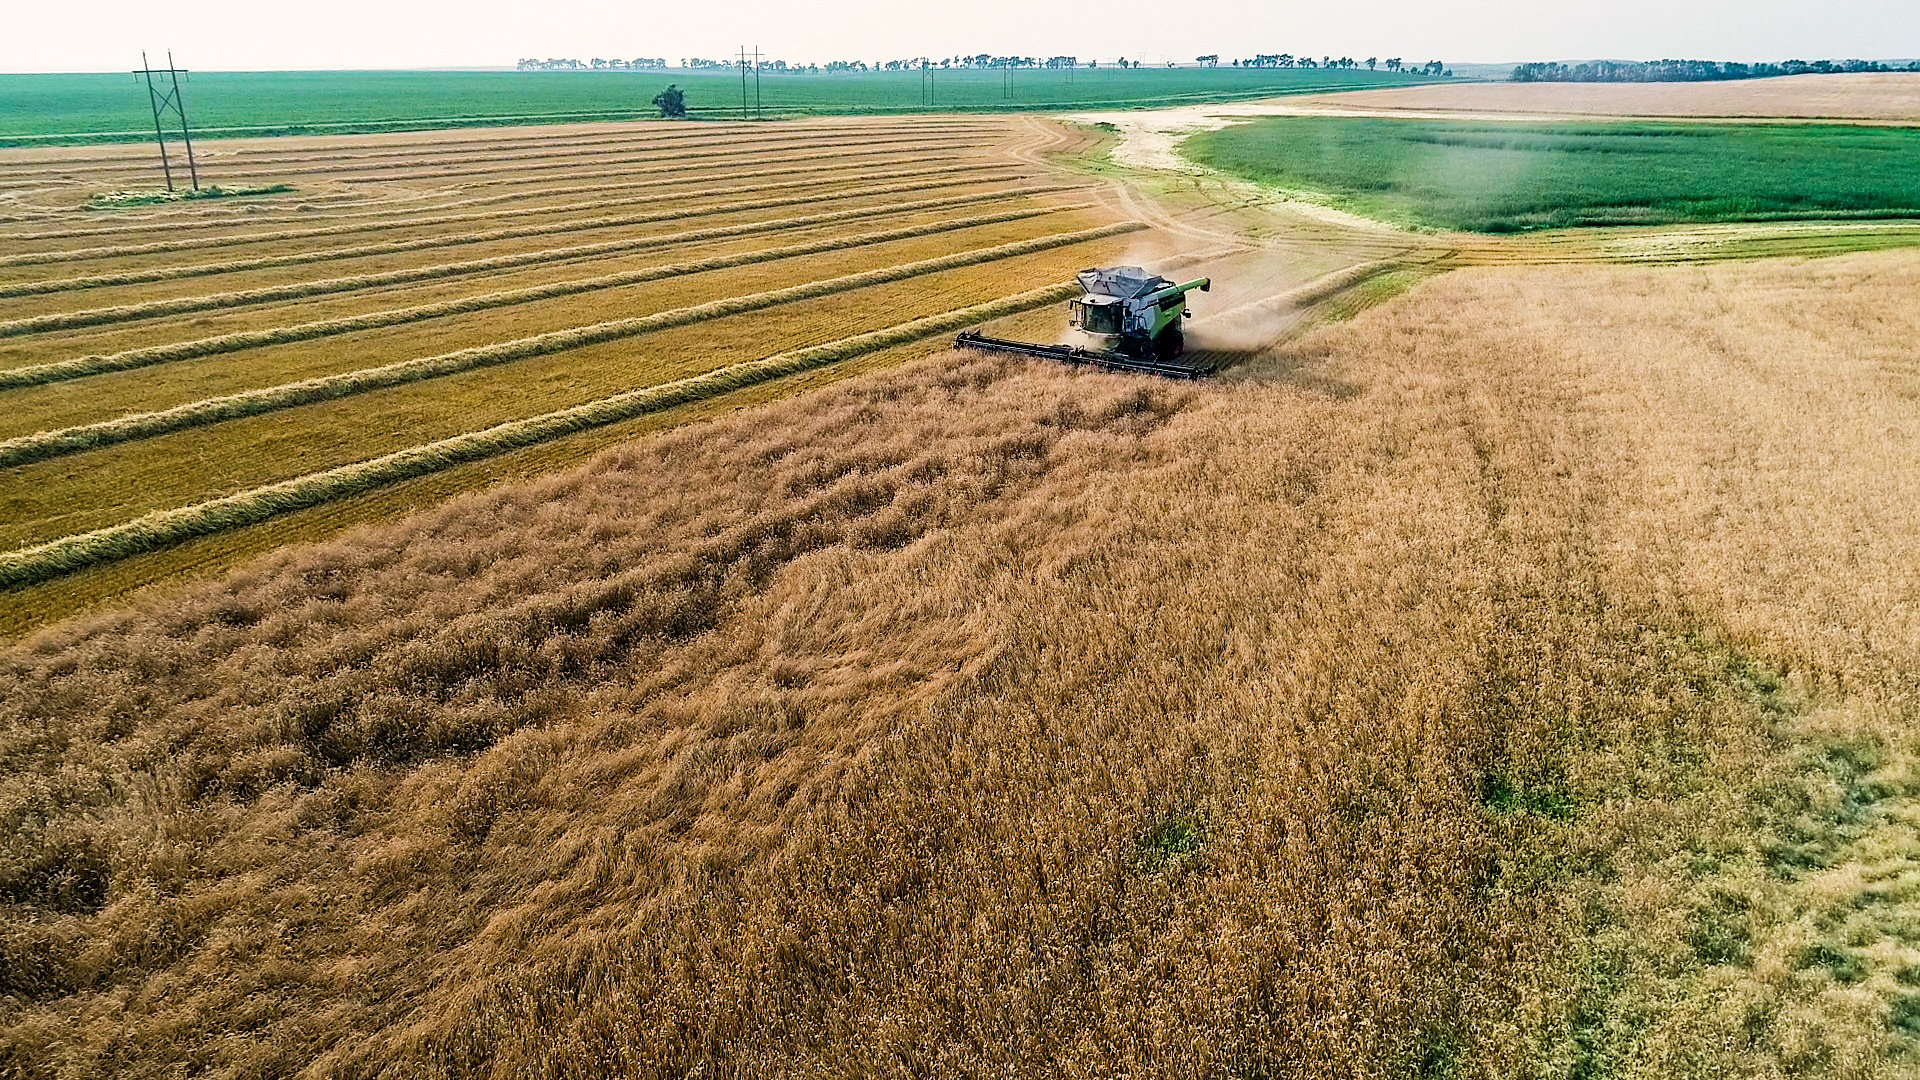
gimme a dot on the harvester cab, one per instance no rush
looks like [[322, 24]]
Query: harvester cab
[[1124, 319]]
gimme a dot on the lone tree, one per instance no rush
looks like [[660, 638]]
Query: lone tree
[[672, 102]]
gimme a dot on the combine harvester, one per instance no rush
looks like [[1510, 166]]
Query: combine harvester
[[1126, 319]]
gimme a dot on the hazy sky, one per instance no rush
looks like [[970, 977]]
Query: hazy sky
[[107, 35]]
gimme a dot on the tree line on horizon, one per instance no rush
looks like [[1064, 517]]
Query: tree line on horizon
[[976, 61], [1613, 71]]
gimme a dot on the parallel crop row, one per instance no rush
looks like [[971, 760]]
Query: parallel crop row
[[639, 151], [80, 367], [149, 309], [680, 181], [836, 141], [71, 440], [394, 247], [165, 528], [444, 154], [281, 235]]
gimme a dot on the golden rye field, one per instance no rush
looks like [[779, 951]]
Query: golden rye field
[[1516, 680]]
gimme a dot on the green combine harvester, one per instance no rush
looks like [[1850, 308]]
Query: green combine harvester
[[1126, 320]]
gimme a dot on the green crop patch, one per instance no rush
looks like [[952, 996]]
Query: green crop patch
[[42, 109], [1501, 177], [119, 200]]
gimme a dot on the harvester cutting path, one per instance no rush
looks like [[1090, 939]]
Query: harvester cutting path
[[1125, 320]]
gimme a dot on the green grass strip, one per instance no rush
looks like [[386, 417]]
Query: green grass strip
[[395, 247], [100, 364], [43, 445], [300, 290], [164, 528]]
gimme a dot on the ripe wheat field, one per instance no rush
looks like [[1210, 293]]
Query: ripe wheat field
[[1515, 680]]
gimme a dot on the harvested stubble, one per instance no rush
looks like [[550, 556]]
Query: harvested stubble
[[424, 243], [48, 444], [442, 152], [79, 367], [883, 155], [536, 164], [539, 161], [276, 152], [681, 183], [163, 528], [426, 221], [69, 320], [1411, 707]]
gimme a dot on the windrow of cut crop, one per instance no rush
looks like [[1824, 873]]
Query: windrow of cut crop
[[681, 182], [72, 440], [164, 217], [165, 528], [300, 290], [80, 367], [539, 163], [114, 251], [432, 154], [846, 161], [542, 159], [423, 243]]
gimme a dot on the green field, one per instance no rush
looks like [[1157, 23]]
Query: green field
[[79, 108], [1511, 177]]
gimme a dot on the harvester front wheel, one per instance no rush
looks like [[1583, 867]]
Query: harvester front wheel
[[1170, 344]]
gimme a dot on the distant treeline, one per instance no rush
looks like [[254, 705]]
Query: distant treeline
[[984, 60], [1608, 71], [642, 63]]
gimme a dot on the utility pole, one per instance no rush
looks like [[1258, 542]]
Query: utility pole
[[165, 100], [926, 82], [743, 82], [757, 114]]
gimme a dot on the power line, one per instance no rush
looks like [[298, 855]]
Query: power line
[[165, 99]]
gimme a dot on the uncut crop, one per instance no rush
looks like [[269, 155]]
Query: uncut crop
[[1508, 177], [1453, 693]]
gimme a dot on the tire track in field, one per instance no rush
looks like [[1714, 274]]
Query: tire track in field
[[43, 445], [395, 247], [148, 309], [99, 364], [194, 243], [166, 528]]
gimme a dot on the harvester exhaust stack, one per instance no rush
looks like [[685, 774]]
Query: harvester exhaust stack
[[1127, 320]]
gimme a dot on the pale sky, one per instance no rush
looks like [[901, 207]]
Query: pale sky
[[107, 35]]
